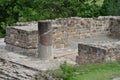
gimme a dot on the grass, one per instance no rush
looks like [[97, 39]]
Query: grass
[[100, 71]]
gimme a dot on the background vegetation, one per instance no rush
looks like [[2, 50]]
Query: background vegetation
[[12, 11]]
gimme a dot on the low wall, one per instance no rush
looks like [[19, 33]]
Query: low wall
[[71, 30], [114, 27], [94, 53], [22, 36], [66, 33], [102, 50]]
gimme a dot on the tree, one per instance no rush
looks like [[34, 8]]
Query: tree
[[110, 7], [32, 10]]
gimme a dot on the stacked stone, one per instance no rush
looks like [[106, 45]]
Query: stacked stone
[[97, 52], [33, 23], [66, 31], [114, 27], [12, 71], [77, 28], [22, 39]]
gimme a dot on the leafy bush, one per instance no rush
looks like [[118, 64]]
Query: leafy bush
[[110, 7], [32, 10]]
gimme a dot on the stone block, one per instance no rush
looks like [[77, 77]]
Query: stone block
[[114, 27], [97, 52], [22, 36]]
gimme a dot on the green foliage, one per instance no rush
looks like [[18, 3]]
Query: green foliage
[[32, 10], [98, 71], [111, 7], [67, 71]]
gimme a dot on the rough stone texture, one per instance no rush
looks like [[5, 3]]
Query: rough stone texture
[[20, 67], [24, 51], [22, 36], [12, 71], [101, 49], [73, 29], [63, 30], [22, 39], [66, 32], [45, 30], [114, 27], [98, 52]]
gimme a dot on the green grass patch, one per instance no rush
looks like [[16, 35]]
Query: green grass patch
[[99, 71]]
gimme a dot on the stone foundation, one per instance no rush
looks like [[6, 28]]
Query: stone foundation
[[66, 32], [22, 39], [106, 49], [98, 52], [24, 51], [115, 28], [22, 36]]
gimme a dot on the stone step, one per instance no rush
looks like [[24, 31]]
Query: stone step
[[10, 76], [11, 71], [3, 77], [14, 66], [33, 63], [14, 74]]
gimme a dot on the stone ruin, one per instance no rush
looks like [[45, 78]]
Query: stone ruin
[[97, 39], [101, 47]]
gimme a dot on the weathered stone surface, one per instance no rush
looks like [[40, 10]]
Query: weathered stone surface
[[66, 32], [97, 52], [12, 71], [20, 67], [45, 30], [20, 50], [114, 27], [45, 47], [63, 29], [22, 36], [22, 39]]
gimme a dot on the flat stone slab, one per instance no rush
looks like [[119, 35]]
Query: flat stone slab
[[37, 64]]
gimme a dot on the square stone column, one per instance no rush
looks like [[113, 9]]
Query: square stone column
[[45, 47]]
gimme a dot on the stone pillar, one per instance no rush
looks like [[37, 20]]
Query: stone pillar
[[45, 47]]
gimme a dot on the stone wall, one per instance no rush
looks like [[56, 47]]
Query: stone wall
[[71, 30], [22, 36], [66, 32], [106, 49], [22, 39], [98, 52], [114, 27]]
